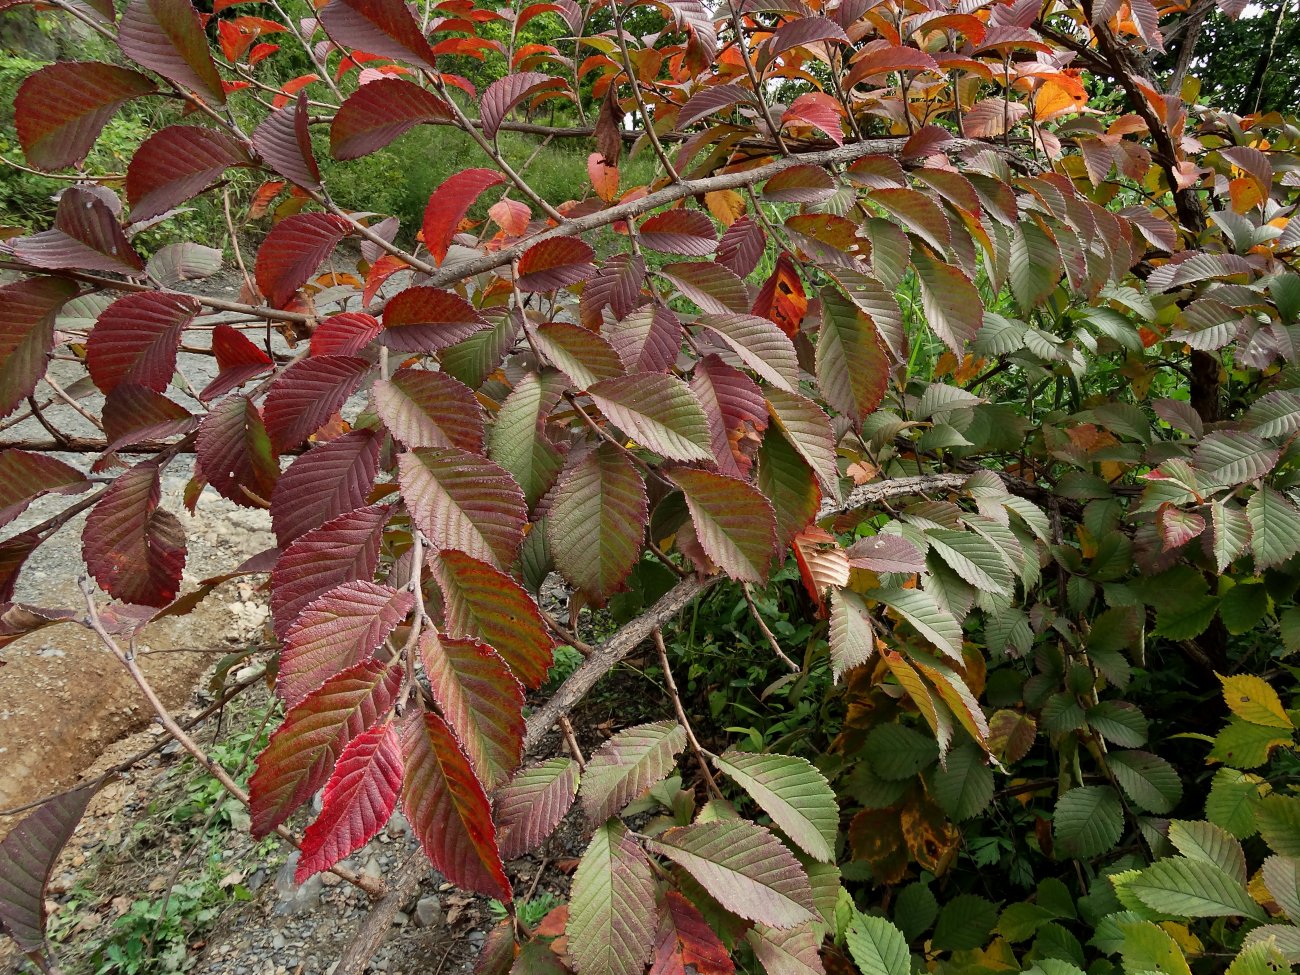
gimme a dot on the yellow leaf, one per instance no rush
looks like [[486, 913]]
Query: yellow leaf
[[1251, 699], [1183, 937], [727, 206]]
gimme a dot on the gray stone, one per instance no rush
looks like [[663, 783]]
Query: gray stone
[[428, 912]]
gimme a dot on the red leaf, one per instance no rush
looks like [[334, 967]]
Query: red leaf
[[686, 232], [713, 287], [323, 483], [448, 809], [555, 263], [304, 397], [647, 340], [616, 285], [782, 298], [28, 856], [532, 804], [134, 549], [481, 701], [359, 799], [505, 93], [293, 87], [761, 345], [167, 36], [25, 477], [464, 501], [60, 109], [1178, 527], [424, 319], [819, 110], [27, 312], [336, 632], [486, 604], [303, 750], [263, 197], [133, 415], [345, 334], [742, 246], [736, 410], [710, 101], [377, 113], [800, 33], [382, 27], [343, 549], [176, 164], [238, 360], [422, 408], [234, 453], [685, 938], [284, 143], [85, 237], [604, 177], [448, 205], [292, 252], [734, 523], [136, 339], [801, 184], [511, 216]]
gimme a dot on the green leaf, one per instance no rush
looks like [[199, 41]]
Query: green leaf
[[744, 867], [915, 909], [793, 793], [789, 484], [1261, 958], [965, 788], [851, 636], [852, 365], [1231, 532], [1148, 948], [627, 765], [518, 441], [808, 429], [1147, 779], [877, 947], [1243, 606], [658, 411], [930, 620], [596, 522], [1279, 823], [1193, 888], [1021, 921], [1282, 877], [1274, 526], [1246, 745], [1231, 802], [1209, 843], [896, 752], [1088, 821], [965, 923], [973, 557], [952, 305], [1035, 265], [611, 924], [1119, 722], [733, 521], [1187, 620]]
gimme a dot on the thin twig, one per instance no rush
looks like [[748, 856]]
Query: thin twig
[[771, 638], [374, 888], [696, 747], [571, 741]]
